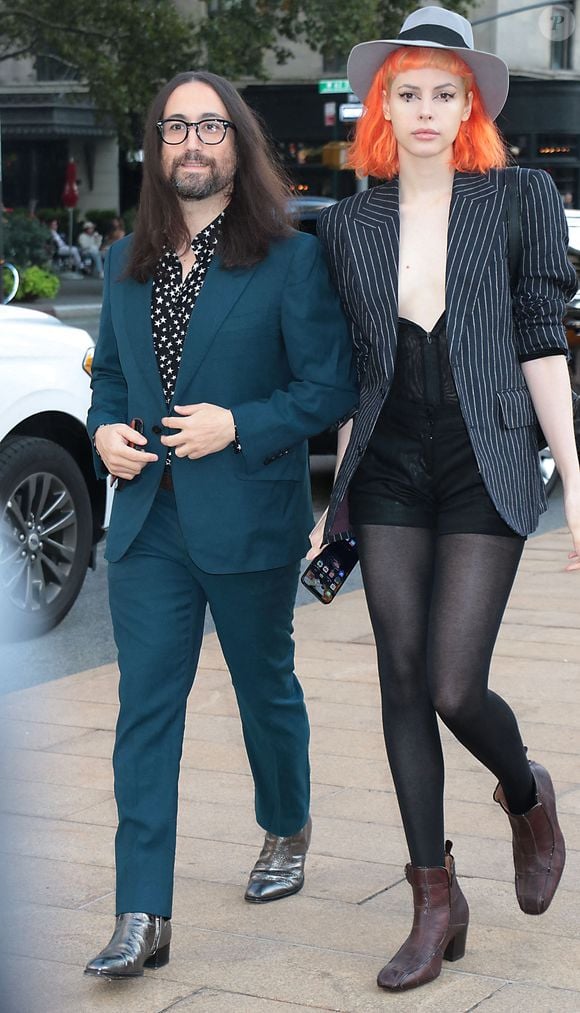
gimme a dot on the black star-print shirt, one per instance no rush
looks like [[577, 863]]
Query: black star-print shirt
[[173, 299]]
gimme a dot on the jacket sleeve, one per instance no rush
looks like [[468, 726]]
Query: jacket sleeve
[[547, 279], [323, 389], [109, 400]]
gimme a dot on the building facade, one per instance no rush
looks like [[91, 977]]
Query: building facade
[[541, 119], [46, 120], [308, 111]]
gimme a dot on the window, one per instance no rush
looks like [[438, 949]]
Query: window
[[562, 35], [557, 146]]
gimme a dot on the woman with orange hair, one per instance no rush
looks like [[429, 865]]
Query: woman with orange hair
[[439, 477]]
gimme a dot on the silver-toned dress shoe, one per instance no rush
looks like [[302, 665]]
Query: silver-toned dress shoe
[[139, 940], [279, 870]]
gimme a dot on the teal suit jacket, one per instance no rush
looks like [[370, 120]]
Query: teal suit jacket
[[271, 343]]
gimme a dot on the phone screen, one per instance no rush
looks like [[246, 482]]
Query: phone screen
[[326, 574]]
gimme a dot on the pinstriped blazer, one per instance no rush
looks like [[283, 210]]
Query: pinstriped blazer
[[488, 333]]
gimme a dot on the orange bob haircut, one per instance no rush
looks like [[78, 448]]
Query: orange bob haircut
[[478, 146]]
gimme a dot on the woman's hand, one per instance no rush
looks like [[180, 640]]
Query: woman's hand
[[316, 537], [572, 511]]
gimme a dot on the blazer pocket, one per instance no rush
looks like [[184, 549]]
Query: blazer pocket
[[516, 408], [289, 467]]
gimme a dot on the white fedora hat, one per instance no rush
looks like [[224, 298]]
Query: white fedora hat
[[435, 28]]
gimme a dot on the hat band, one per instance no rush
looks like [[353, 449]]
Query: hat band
[[434, 33]]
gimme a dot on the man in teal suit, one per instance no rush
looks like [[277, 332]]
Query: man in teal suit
[[222, 335]]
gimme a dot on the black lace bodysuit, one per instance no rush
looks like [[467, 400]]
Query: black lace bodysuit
[[419, 469]]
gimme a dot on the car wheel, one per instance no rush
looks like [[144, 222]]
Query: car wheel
[[45, 536], [548, 469]]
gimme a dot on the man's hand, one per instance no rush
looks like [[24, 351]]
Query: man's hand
[[203, 429], [120, 459]]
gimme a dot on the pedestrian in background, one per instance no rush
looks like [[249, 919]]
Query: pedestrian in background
[[115, 231], [89, 243], [222, 334], [62, 249], [440, 468]]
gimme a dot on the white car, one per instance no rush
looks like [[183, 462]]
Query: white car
[[52, 507]]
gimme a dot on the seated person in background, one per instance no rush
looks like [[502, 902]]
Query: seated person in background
[[89, 242], [61, 249], [115, 231]]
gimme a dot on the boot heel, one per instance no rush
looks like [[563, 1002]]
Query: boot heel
[[455, 948], [160, 958]]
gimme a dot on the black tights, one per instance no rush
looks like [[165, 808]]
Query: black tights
[[436, 604]]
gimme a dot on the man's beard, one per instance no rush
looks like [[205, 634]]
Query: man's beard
[[199, 186]]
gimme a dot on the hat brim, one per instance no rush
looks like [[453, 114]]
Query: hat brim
[[491, 73]]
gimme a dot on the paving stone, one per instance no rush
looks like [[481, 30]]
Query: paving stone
[[322, 948], [46, 987], [48, 882], [52, 711], [56, 801], [218, 1001], [66, 841], [16, 734], [41, 765], [530, 999]]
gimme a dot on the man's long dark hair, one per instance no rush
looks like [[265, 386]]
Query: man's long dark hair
[[257, 212]]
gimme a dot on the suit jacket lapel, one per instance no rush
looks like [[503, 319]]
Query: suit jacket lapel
[[373, 237], [475, 218], [220, 291], [137, 310]]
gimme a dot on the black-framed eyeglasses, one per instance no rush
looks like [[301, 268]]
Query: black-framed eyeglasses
[[210, 131]]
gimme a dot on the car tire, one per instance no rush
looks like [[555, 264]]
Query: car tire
[[45, 536]]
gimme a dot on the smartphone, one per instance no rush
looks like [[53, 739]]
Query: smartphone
[[138, 426], [327, 572]]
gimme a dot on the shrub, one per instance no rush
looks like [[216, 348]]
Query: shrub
[[35, 283], [129, 219], [26, 240]]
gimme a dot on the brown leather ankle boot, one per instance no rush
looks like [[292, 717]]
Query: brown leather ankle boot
[[441, 917], [538, 845]]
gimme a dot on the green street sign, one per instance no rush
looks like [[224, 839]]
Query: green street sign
[[332, 86]]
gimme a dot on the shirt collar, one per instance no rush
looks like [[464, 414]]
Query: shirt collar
[[205, 240]]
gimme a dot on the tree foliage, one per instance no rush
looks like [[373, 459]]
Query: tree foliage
[[123, 50]]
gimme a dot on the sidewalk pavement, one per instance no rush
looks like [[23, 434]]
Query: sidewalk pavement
[[77, 294], [321, 949]]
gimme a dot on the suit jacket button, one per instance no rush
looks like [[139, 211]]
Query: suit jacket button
[[156, 429], [360, 450]]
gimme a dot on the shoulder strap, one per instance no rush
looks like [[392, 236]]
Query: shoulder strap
[[513, 214]]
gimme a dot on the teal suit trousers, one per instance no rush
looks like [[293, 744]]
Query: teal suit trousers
[[158, 598]]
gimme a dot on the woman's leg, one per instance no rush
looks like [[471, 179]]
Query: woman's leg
[[473, 576], [397, 568]]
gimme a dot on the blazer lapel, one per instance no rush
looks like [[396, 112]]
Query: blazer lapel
[[220, 291], [475, 219], [137, 311], [373, 238]]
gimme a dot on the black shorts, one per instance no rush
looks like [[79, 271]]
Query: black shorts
[[419, 471]]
